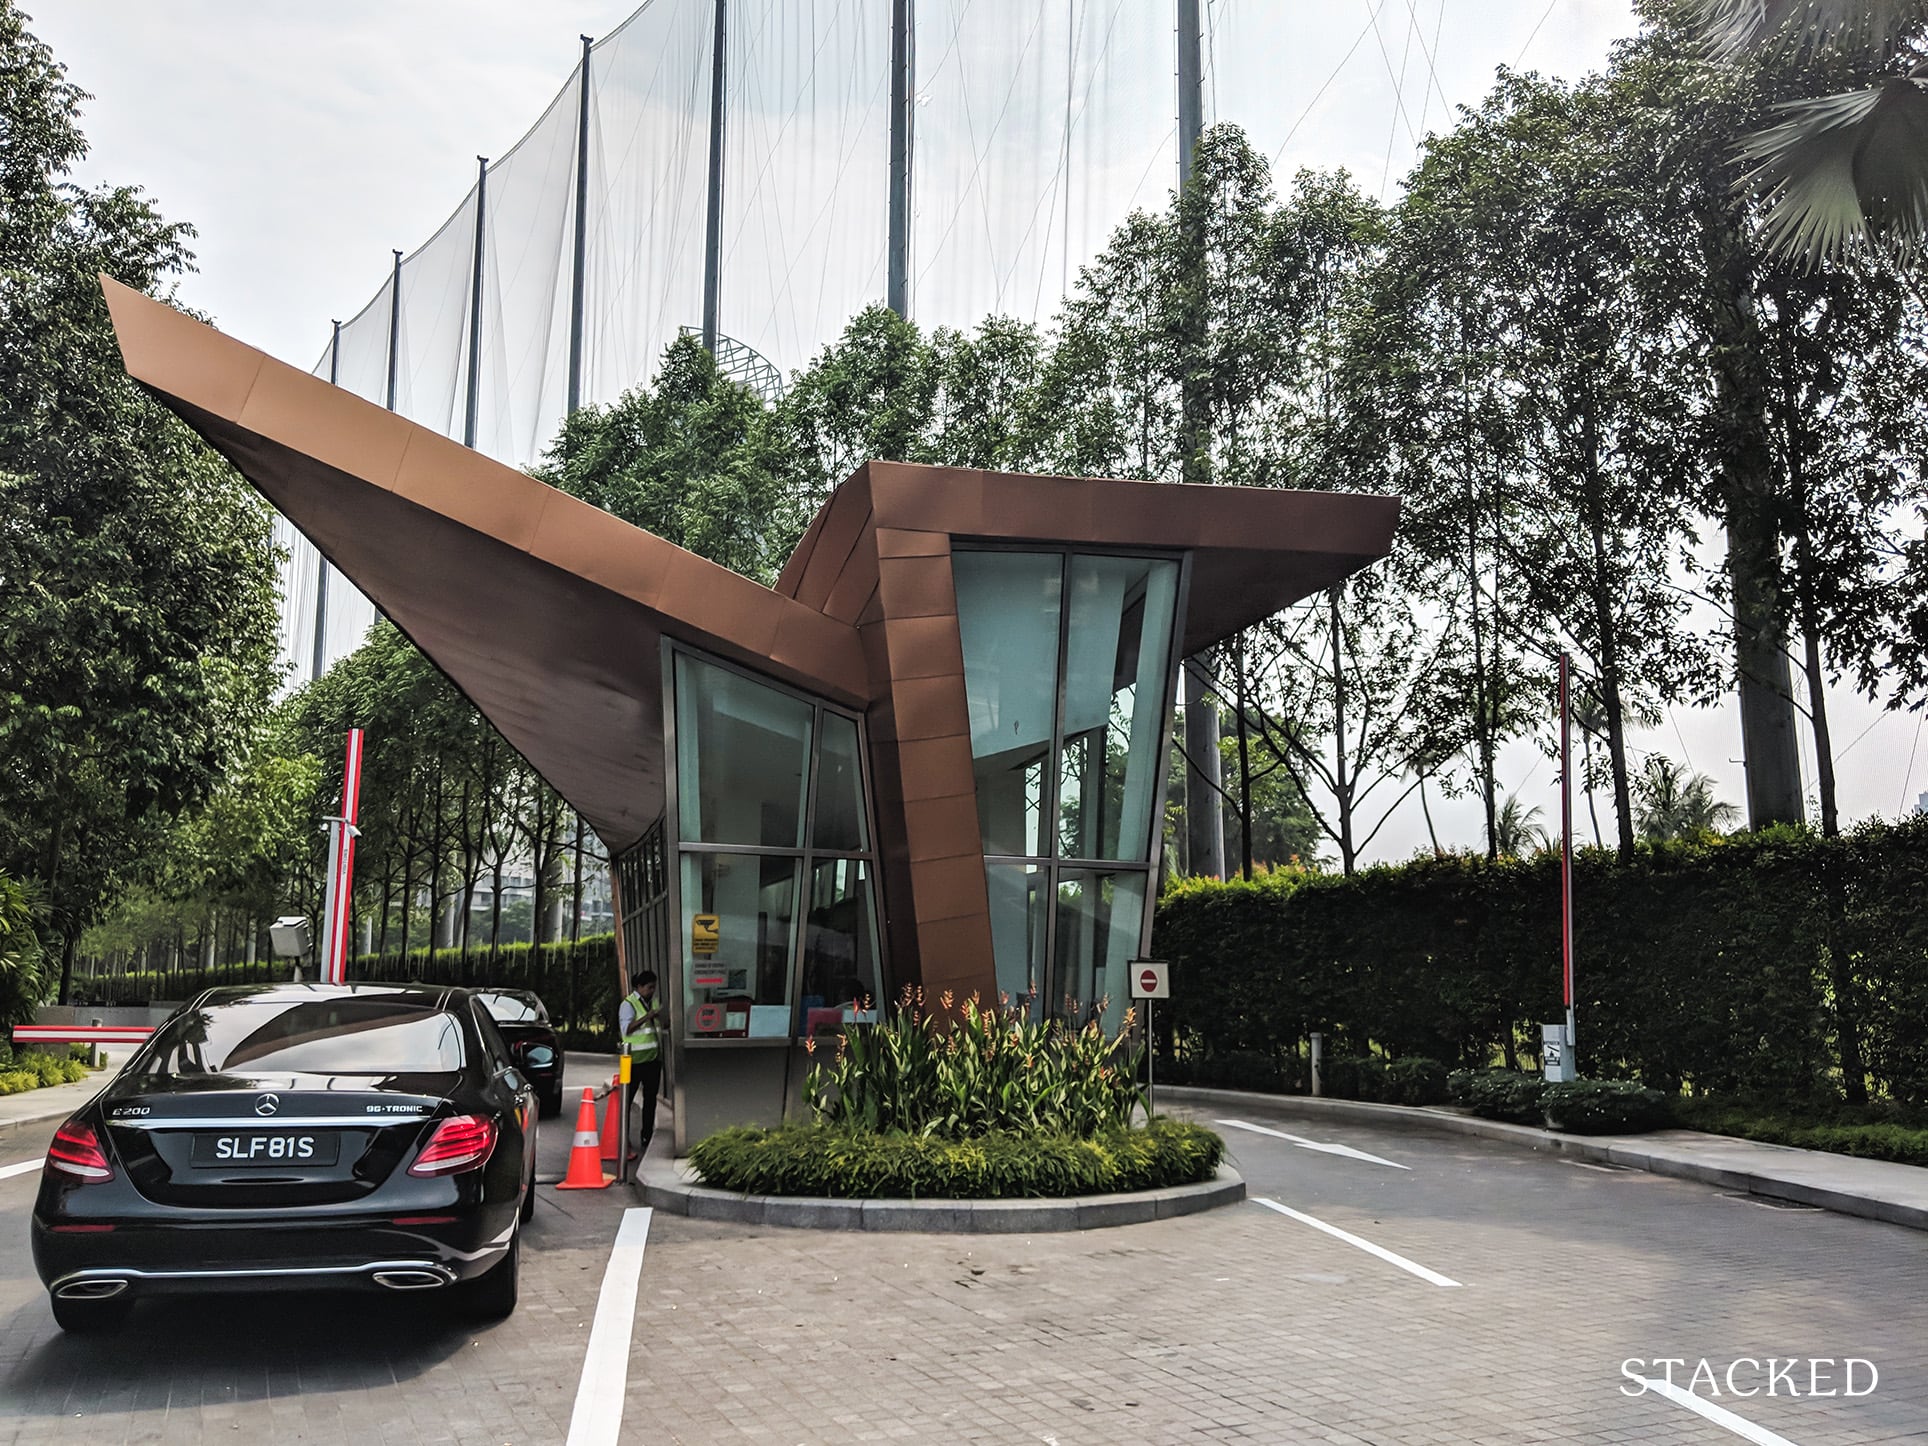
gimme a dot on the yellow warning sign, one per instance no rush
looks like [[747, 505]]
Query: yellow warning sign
[[706, 930]]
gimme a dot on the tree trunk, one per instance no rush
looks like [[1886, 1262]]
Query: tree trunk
[[1341, 785], [1204, 801], [1244, 769], [1603, 621], [1744, 476], [575, 923], [1810, 619]]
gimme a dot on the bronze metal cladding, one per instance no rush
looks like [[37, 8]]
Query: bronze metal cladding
[[548, 613]]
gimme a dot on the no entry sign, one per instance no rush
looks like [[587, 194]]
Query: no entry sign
[[1150, 979]]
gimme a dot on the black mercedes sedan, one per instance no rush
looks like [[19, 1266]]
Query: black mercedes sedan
[[532, 1040], [367, 1136]]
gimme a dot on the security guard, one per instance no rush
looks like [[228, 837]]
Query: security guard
[[640, 1024]]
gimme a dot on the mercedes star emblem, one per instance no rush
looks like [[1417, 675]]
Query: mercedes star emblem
[[267, 1104]]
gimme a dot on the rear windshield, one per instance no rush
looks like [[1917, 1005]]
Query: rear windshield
[[317, 1036], [514, 1008]]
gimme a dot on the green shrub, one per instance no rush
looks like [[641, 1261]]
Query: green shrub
[[1501, 1094], [1354, 1077], [32, 1070], [1902, 1138], [837, 1161], [1234, 1069], [1415, 1081], [961, 1075], [1604, 1107]]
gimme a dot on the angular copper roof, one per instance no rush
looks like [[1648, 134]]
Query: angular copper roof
[[549, 613]]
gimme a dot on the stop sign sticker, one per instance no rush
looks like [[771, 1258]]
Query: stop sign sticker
[[1150, 979]]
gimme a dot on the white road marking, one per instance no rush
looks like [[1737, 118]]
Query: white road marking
[[1719, 1415], [1305, 1144], [598, 1417], [1432, 1276], [7, 1172]]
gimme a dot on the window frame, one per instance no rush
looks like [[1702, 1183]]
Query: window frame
[[805, 855], [1053, 864]]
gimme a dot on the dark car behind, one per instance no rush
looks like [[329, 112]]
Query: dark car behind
[[532, 1040], [367, 1136]]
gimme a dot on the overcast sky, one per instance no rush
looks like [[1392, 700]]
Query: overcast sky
[[305, 141]]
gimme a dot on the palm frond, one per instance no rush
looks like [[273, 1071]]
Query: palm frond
[[1841, 170], [1733, 29]]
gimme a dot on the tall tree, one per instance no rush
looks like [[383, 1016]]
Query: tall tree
[[137, 610]]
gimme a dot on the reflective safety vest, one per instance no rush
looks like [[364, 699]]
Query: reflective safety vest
[[644, 1041]]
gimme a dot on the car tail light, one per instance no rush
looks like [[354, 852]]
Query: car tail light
[[458, 1144], [76, 1151]]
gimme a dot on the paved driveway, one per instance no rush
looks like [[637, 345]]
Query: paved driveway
[[1243, 1323]]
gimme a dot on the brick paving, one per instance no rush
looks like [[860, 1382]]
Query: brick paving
[[1236, 1325]]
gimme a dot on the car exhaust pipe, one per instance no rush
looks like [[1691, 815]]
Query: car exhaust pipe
[[91, 1289], [424, 1278]]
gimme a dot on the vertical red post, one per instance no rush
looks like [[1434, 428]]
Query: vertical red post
[[341, 887], [1566, 846]]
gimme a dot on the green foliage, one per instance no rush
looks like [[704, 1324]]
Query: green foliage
[[1704, 963], [1499, 1094], [841, 1161], [687, 458], [137, 608], [1675, 804], [33, 1070], [957, 1076], [24, 980], [1411, 1081], [576, 982], [1604, 1107], [1872, 1132]]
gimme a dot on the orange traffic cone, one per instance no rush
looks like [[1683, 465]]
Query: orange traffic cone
[[585, 1169], [612, 1132]]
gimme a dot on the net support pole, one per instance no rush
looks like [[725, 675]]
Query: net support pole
[[394, 329], [903, 83], [472, 398], [713, 225], [318, 664], [1191, 87], [582, 231]]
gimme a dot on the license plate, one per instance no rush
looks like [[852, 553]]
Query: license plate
[[265, 1147]]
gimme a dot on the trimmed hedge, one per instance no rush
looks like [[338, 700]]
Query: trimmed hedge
[[577, 982], [1604, 1107], [831, 1161], [1903, 1140], [1498, 1094], [1776, 963], [1580, 1107]]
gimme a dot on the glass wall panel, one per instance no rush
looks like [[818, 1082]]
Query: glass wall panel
[[742, 988], [1007, 619], [1117, 644], [1018, 920], [839, 820], [742, 758], [1099, 918], [841, 983]]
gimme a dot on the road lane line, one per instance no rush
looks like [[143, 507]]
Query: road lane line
[[1719, 1415], [1432, 1276], [7, 1172], [598, 1416], [1305, 1144]]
